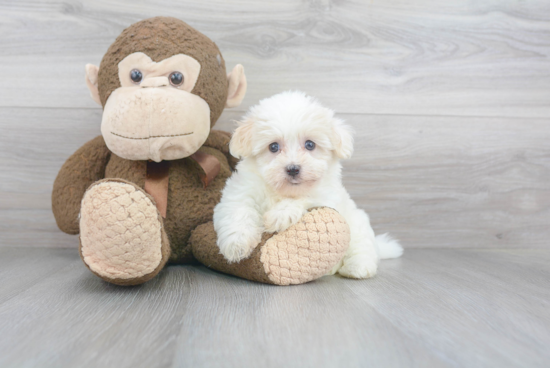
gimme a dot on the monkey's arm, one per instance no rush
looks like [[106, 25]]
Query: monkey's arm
[[84, 167], [220, 140]]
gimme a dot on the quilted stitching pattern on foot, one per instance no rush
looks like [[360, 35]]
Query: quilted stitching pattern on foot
[[308, 249], [120, 231]]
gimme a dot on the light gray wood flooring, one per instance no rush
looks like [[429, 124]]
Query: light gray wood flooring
[[431, 308]]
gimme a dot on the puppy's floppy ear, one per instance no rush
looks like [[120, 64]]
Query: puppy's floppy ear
[[240, 145], [342, 139]]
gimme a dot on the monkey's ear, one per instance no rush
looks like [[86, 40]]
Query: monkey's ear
[[237, 86], [240, 145], [342, 139], [91, 81]]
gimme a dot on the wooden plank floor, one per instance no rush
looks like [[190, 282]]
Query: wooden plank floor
[[431, 308]]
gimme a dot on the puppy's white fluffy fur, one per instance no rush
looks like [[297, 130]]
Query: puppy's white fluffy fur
[[262, 196]]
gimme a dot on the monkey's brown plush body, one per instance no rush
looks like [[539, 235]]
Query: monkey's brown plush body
[[189, 203], [143, 193]]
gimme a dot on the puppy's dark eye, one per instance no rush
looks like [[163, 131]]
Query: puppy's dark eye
[[274, 147], [136, 76], [310, 146], [176, 79]]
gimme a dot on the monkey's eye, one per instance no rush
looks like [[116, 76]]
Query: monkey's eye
[[136, 76], [176, 79], [310, 146], [274, 147]]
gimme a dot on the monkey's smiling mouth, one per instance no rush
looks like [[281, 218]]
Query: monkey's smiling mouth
[[153, 136]]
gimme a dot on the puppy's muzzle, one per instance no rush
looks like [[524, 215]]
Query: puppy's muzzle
[[293, 170]]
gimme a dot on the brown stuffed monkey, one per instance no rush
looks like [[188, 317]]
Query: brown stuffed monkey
[[142, 194]]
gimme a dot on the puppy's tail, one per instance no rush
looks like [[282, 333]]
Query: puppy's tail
[[388, 247]]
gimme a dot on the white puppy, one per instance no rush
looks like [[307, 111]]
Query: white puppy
[[290, 148]]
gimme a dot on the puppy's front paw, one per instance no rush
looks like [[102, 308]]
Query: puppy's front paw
[[239, 244], [358, 266], [281, 218]]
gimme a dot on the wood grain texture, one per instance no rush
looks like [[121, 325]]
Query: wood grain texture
[[485, 308], [21, 269], [453, 182], [487, 58], [431, 308], [430, 181]]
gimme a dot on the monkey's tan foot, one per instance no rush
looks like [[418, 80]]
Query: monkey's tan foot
[[304, 252], [122, 239]]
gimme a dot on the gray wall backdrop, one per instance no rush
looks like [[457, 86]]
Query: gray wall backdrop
[[450, 101]]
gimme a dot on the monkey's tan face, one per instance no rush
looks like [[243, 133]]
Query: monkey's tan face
[[154, 115]]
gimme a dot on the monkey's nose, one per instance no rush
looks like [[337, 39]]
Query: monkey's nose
[[154, 82], [293, 170]]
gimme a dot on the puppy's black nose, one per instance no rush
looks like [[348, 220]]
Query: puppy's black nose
[[293, 170]]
